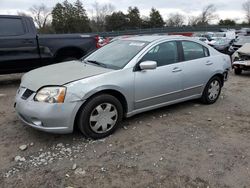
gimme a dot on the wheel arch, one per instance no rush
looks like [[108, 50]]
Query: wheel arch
[[204, 98], [220, 75], [117, 94], [68, 52]]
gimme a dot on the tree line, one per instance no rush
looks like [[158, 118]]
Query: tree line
[[69, 17]]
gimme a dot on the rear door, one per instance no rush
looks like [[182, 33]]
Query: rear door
[[18, 45], [197, 68]]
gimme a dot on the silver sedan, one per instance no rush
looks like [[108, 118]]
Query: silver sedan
[[124, 78]]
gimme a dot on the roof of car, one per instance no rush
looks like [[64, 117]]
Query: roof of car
[[14, 16], [152, 38]]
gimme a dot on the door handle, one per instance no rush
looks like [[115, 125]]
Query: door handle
[[209, 63], [176, 69]]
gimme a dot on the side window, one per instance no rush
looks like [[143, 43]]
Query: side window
[[11, 27], [194, 50], [164, 54]]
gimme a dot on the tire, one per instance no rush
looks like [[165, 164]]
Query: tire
[[100, 116], [237, 71], [212, 90]]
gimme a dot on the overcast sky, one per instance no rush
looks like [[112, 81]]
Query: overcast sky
[[225, 8]]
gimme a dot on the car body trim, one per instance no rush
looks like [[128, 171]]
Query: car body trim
[[170, 93], [194, 87], [162, 105], [158, 96]]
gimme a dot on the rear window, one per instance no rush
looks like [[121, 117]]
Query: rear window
[[11, 27], [194, 50]]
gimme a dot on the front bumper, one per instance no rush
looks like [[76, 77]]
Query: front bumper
[[52, 118]]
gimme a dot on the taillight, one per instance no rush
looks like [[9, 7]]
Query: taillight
[[97, 38]]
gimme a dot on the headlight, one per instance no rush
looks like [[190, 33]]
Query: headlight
[[51, 95]]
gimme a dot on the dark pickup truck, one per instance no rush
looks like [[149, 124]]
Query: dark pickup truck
[[22, 49]]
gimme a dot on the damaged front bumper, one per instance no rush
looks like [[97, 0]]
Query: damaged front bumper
[[243, 65]]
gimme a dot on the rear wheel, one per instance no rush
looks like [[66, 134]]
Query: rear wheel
[[237, 71], [212, 90], [100, 116]]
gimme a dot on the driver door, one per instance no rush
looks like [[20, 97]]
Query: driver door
[[163, 84]]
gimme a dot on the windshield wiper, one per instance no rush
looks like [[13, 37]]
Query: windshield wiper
[[96, 63]]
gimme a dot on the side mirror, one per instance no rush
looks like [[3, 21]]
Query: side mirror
[[148, 65]]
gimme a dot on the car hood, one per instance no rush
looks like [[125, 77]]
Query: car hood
[[245, 49], [239, 43], [60, 74]]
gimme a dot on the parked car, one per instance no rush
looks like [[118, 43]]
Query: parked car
[[221, 44], [103, 41], [243, 32], [123, 78], [22, 49], [241, 59], [203, 39], [208, 35], [238, 43], [229, 35]]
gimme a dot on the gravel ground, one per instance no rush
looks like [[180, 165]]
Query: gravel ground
[[185, 145]]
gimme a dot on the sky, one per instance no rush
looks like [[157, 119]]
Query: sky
[[231, 9]]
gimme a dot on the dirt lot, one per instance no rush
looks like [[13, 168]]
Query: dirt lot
[[185, 145]]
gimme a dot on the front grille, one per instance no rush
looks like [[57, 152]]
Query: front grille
[[27, 94]]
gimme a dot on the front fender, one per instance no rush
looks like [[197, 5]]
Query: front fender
[[111, 81], [103, 88]]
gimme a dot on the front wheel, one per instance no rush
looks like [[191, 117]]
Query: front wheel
[[100, 116], [212, 91]]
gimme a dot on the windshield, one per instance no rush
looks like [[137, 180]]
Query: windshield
[[117, 54]]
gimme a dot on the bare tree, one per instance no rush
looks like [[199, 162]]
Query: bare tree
[[175, 20], [100, 11], [193, 20], [208, 14], [40, 14], [246, 8]]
